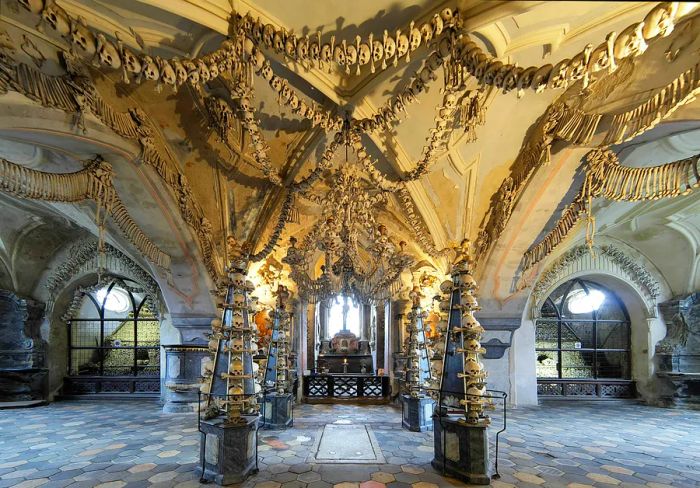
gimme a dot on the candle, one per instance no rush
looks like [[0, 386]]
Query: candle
[[345, 361]]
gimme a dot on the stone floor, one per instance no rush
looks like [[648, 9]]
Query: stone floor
[[130, 444]]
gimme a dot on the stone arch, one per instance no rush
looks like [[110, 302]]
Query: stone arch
[[636, 282]]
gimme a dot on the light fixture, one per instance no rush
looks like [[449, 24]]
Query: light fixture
[[117, 300], [581, 302]]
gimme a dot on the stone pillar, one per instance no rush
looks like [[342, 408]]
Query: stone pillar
[[183, 376], [184, 363], [381, 337], [23, 375]]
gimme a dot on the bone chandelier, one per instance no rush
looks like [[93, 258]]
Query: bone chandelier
[[348, 223]]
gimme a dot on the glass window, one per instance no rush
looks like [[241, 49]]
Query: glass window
[[583, 333], [344, 314]]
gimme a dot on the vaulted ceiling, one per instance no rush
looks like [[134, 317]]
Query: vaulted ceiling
[[453, 200]]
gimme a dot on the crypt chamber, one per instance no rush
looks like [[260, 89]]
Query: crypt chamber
[[267, 216]]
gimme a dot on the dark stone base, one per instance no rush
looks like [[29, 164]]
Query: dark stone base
[[227, 451], [277, 410], [466, 455], [417, 413], [183, 375]]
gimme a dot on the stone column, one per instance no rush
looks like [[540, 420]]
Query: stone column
[[381, 338], [184, 363]]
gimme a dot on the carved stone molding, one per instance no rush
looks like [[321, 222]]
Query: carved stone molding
[[84, 258], [609, 260]]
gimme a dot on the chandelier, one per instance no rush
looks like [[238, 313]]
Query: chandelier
[[360, 259]]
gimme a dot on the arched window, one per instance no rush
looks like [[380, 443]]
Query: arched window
[[114, 342], [582, 342], [337, 318]]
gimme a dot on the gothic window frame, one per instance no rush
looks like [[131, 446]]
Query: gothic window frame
[[136, 305], [562, 321]]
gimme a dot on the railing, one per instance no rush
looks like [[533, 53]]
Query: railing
[[582, 388], [346, 387]]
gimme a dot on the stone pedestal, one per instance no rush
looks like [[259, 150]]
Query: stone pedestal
[[227, 451], [277, 410], [184, 368], [462, 449], [417, 413]]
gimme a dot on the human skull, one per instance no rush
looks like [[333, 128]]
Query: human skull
[[245, 104], [414, 39], [351, 54], [314, 50], [446, 15], [57, 18], [34, 6], [660, 20], [237, 280], [426, 32], [473, 345], [469, 301], [192, 72], [473, 368], [238, 299], [630, 42], [377, 51], [268, 35], [475, 394], [579, 64], [539, 79], [266, 71], [490, 72], [389, 46], [602, 56], [150, 68], [278, 41], [445, 306], [204, 74], [216, 324], [276, 83], [293, 101], [107, 52], [303, 48], [286, 93], [557, 77], [446, 286], [83, 38], [326, 53], [470, 322], [468, 282], [438, 24], [180, 71], [213, 70], [402, 45], [238, 320], [525, 78], [290, 46], [167, 73], [132, 64], [339, 55], [213, 345]]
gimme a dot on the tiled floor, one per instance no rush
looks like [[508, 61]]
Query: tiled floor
[[130, 444]]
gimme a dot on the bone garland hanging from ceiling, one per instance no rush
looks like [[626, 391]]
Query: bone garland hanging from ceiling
[[606, 177]]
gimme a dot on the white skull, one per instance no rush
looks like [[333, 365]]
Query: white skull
[[204, 74], [469, 301], [180, 71], [266, 71], [83, 38], [445, 305], [630, 42], [351, 54], [150, 68], [426, 31], [438, 24], [192, 72], [238, 299], [470, 322], [167, 73], [660, 20], [326, 53], [34, 6], [303, 48], [414, 39], [339, 55], [213, 70], [238, 280], [108, 53], [57, 18], [446, 15], [246, 105], [276, 83], [475, 394], [131, 63], [268, 35], [472, 367], [557, 78], [473, 345], [389, 46], [401, 45], [290, 46], [468, 281], [446, 286]]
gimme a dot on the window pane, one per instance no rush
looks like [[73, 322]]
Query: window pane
[[119, 362], [148, 361], [577, 335], [85, 362], [613, 365], [577, 364], [85, 334], [546, 335], [547, 364], [335, 316], [613, 335]]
